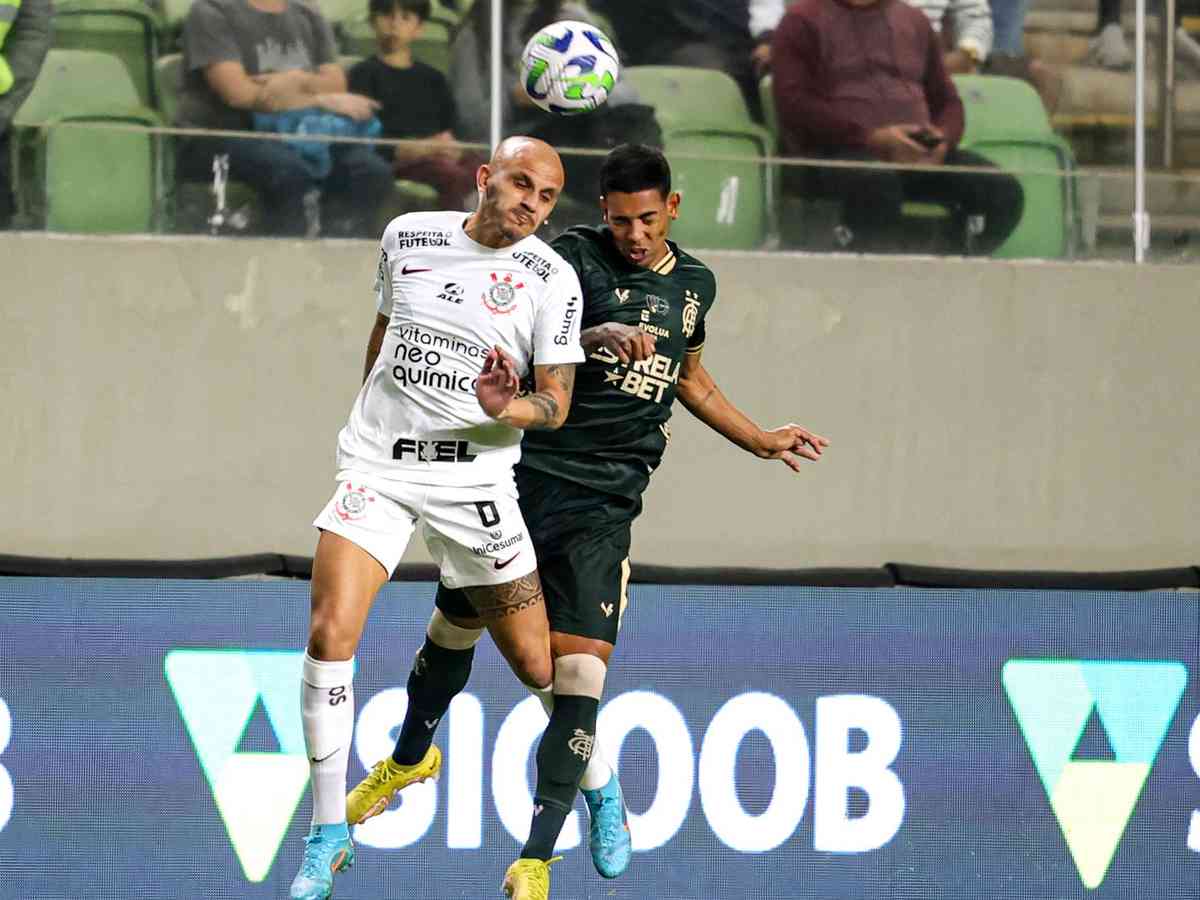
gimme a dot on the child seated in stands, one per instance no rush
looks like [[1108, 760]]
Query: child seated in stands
[[416, 103]]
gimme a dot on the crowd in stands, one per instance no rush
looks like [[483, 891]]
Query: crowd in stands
[[864, 81]]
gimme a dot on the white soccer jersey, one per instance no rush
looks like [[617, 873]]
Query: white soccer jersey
[[449, 300]]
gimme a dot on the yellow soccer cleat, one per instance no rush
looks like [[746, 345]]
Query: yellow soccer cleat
[[529, 879], [372, 795]]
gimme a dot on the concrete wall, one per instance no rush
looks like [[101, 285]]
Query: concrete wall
[[168, 398]]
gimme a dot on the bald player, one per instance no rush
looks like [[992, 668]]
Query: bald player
[[465, 303]]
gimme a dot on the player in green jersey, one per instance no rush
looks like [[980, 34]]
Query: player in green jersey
[[645, 304]]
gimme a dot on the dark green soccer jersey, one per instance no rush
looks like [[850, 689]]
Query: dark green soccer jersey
[[617, 430]]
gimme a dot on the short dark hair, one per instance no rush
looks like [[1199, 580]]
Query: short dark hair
[[419, 8], [632, 168]]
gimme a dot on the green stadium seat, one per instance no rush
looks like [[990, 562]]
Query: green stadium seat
[[173, 15], [712, 142], [168, 82], [191, 203], [69, 178], [1007, 123], [128, 29]]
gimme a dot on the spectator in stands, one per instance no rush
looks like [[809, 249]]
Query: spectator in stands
[[270, 56], [707, 34], [1110, 50], [971, 20], [864, 80], [415, 103], [25, 33]]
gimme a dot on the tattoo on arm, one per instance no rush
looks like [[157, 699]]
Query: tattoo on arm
[[546, 403], [564, 375], [498, 601], [547, 409]]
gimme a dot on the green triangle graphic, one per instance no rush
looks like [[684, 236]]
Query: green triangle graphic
[[1136, 702], [256, 793], [1093, 800], [1052, 701]]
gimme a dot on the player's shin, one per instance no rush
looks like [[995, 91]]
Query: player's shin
[[327, 706], [565, 748], [598, 772], [440, 671]]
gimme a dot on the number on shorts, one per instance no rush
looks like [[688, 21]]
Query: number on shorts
[[488, 514]]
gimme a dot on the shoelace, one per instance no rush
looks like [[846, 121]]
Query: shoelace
[[607, 828], [312, 867], [379, 776]]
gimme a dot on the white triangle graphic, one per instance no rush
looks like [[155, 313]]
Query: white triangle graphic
[[257, 795], [1093, 801]]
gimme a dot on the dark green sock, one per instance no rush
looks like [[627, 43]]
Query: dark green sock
[[438, 674], [562, 757]]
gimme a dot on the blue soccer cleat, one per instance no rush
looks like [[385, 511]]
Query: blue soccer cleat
[[327, 849], [608, 834]]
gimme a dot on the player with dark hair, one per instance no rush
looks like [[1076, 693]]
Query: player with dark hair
[[581, 488]]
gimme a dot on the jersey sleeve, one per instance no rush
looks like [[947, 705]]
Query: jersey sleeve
[[695, 342], [383, 279], [556, 328]]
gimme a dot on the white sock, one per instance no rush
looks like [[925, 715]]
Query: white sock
[[598, 771], [327, 703]]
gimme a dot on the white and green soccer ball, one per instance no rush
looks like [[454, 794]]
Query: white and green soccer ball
[[569, 68]]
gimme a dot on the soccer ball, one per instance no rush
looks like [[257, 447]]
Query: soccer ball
[[569, 68]]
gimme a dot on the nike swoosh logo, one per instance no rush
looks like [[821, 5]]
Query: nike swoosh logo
[[500, 565], [323, 758], [407, 271]]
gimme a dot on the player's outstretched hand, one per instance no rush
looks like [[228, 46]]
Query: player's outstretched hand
[[497, 383], [791, 443], [626, 342]]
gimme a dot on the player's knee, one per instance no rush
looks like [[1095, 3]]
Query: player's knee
[[579, 675], [533, 666], [330, 638], [446, 634]]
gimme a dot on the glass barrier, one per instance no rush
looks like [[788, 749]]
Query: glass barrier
[[118, 177], [95, 147]]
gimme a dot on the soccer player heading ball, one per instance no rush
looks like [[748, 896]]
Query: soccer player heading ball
[[569, 68], [646, 303]]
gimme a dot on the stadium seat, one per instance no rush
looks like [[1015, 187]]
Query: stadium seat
[[709, 137], [174, 12], [1007, 123], [70, 178], [127, 29], [168, 82]]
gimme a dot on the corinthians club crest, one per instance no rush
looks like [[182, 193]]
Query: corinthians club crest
[[501, 295], [352, 505]]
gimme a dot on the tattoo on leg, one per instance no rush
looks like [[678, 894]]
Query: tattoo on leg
[[499, 601]]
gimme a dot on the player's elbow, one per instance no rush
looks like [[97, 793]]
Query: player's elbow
[[688, 392]]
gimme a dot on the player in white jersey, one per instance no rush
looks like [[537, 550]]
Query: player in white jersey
[[466, 304]]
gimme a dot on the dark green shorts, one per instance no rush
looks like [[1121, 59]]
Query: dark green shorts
[[581, 536]]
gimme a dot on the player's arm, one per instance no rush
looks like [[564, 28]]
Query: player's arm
[[699, 393], [626, 342], [375, 342], [545, 409]]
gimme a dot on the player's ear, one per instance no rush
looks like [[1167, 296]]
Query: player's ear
[[482, 175], [603, 209], [673, 204]]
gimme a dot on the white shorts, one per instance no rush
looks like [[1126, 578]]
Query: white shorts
[[476, 535]]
